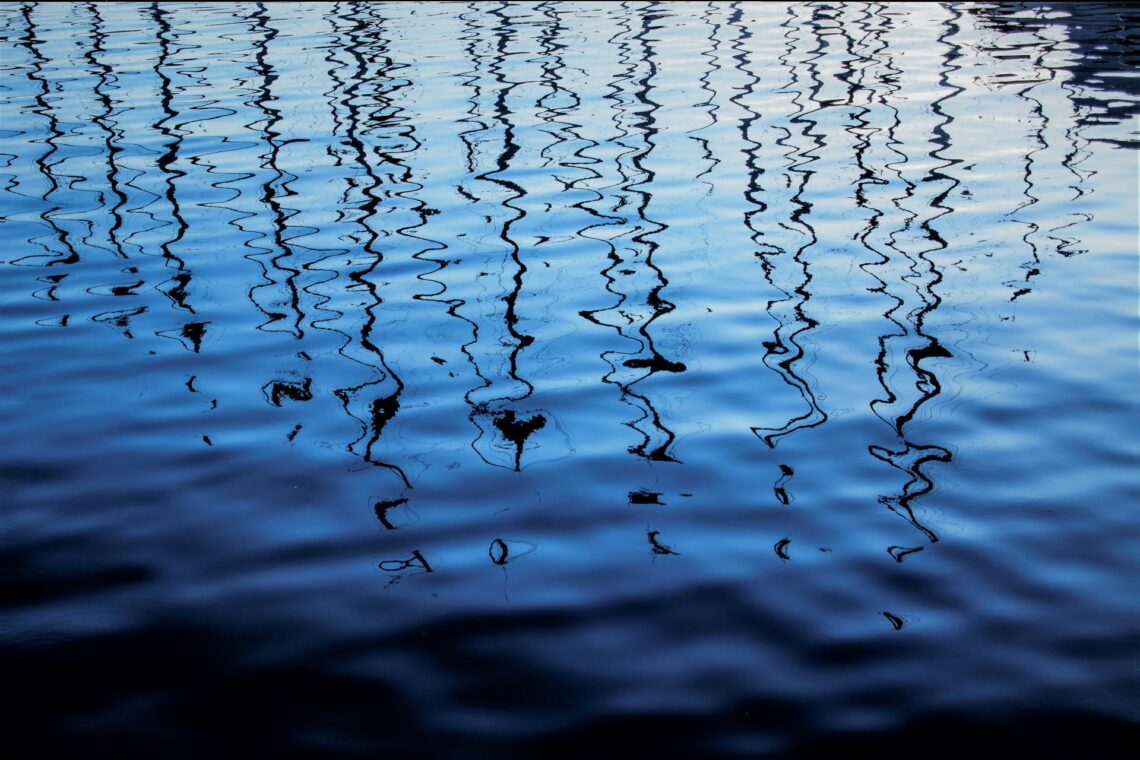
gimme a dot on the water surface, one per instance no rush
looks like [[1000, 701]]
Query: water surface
[[513, 379]]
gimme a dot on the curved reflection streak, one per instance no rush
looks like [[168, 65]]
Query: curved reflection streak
[[785, 350], [276, 307], [378, 410], [1068, 245], [335, 94], [8, 18], [601, 231], [1031, 268], [503, 426], [925, 276], [879, 81], [513, 428], [634, 114], [1040, 237], [659, 441], [710, 106], [566, 133], [401, 143], [927, 380], [188, 101], [471, 80], [339, 151], [552, 115], [176, 288], [30, 41], [607, 226], [512, 49], [112, 134]]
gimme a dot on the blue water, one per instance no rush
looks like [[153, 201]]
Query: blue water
[[537, 380]]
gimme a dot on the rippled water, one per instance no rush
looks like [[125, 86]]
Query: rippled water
[[465, 379]]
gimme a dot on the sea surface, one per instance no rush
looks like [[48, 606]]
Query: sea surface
[[569, 379]]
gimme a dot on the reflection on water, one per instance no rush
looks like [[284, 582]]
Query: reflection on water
[[363, 347]]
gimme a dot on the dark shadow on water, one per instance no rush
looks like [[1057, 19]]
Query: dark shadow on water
[[302, 706]]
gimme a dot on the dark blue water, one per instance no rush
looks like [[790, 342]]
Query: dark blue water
[[540, 380]]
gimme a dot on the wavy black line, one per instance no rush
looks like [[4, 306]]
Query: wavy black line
[[784, 350], [634, 115], [380, 409], [111, 133], [35, 73]]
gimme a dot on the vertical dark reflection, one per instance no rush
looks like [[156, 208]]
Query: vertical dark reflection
[[336, 94], [1041, 236], [31, 42], [1031, 268], [273, 189], [327, 312], [503, 422], [471, 139], [94, 51], [404, 128], [754, 191], [1099, 38], [111, 133], [634, 114], [375, 402], [844, 28], [1105, 38], [557, 117], [472, 80], [400, 146], [10, 179], [176, 287], [784, 351], [608, 224], [348, 57], [874, 238], [878, 121], [913, 458], [566, 132], [656, 450], [513, 427], [712, 53]]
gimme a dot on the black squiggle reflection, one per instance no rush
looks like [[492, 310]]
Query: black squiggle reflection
[[554, 141], [176, 288], [1029, 46], [112, 134], [368, 51], [917, 243], [645, 239], [658, 547], [790, 236], [44, 163], [632, 270], [711, 107], [514, 427], [276, 306], [497, 406], [400, 568]]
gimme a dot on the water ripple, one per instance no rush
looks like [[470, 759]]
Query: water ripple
[[456, 379]]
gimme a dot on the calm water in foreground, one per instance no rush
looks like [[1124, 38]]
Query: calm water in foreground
[[717, 380]]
